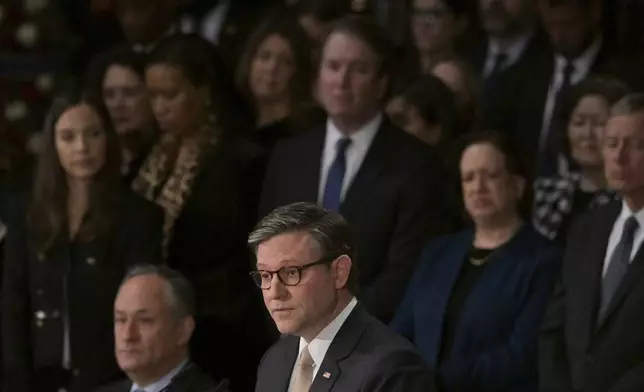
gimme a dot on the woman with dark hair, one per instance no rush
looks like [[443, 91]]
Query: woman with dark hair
[[206, 176], [117, 78], [582, 119], [66, 253], [488, 285], [426, 108], [275, 73]]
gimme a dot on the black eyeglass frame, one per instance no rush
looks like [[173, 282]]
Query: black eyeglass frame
[[257, 279]]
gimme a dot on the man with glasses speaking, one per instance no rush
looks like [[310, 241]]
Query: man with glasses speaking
[[305, 270]]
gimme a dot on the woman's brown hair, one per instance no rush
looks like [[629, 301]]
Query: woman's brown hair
[[47, 214], [514, 159], [285, 26]]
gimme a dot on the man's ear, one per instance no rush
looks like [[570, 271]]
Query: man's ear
[[187, 327], [341, 270]]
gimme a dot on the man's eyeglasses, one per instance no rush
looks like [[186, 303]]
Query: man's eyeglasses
[[289, 275]]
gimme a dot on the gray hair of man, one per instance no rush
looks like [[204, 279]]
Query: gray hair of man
[[630, 104], [327, 228], [180, 294]]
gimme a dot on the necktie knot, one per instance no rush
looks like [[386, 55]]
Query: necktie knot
[[303, 372], [630, 226], [306, 361], [342, 144], [499, 59], [568, 69]]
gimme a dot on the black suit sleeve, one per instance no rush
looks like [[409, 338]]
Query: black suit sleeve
[[16, 320], [268, 198], [403, 371], [554, 374], [145, 226], [420, 216], [633, 380]]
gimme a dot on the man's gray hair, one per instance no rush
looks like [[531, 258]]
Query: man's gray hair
[[630, 104], [328, 229], [180, 294]]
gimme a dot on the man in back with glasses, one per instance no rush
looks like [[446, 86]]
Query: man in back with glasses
[[305, 257]]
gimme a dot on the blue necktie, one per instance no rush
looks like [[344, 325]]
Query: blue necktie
[[335, 177], [619, 263]]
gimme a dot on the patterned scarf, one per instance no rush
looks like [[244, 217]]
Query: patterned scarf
[[167, 175]]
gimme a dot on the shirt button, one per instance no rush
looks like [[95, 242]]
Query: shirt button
[[40, 292], [91, 261], [40, 315], [39, 323], [55, 314]]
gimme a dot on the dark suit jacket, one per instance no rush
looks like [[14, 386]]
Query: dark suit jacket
[[575, 353], [80, 277], [523, 100], [530, 62], [192, 379], [364, 356], [494, 348], [393, 205], [209, 247]]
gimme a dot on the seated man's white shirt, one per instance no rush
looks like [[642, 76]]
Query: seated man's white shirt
[[163, 382], [321, 343]]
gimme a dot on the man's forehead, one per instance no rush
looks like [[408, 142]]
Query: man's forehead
[[627, 122]]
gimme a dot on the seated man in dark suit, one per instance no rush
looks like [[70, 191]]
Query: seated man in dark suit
[[153, 323], [305, 270], [592, 338], [387, 184]]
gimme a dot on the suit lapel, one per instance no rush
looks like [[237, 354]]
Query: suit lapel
[[291, 349], [342, 346], [310, 161], [589, 269], [634, 273], [370, 169]]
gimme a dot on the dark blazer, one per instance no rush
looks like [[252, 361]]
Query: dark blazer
[[576, 354], [523, 101], [192, 379], [530, 61], [208, 246], [476, 55], [80, 279], [494, 347], [364, 356], [393, 204]]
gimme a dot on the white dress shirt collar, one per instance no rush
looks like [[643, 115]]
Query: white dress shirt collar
[[582, 63], [618, 230], [360, 138], [513, 51], [147, 48], [158, 386], [627, 213], [355, 153], [319, 346]]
